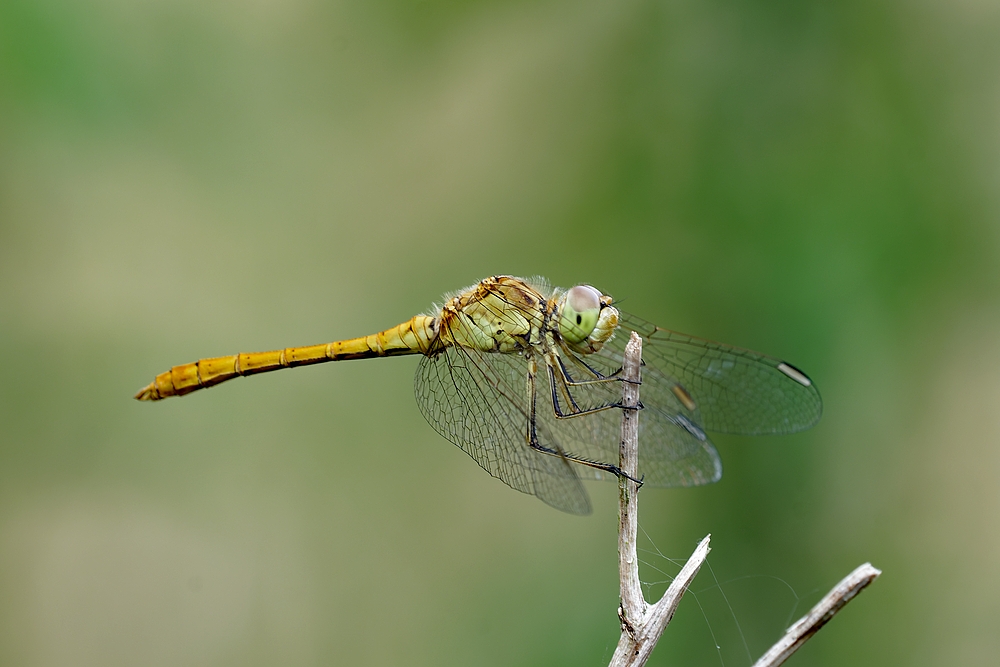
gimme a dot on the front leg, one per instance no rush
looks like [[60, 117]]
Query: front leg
[[597, 377], [563, 403]]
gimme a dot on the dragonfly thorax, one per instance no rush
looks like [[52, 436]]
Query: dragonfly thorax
[[500, 314]]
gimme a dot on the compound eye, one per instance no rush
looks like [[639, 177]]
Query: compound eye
[[580, 312]]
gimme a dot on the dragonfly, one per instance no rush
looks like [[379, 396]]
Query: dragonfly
[[526, 379]]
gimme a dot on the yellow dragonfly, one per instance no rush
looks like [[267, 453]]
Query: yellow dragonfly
[[525, 378]]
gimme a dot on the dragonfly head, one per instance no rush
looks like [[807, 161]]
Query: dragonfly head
[[587, 320]]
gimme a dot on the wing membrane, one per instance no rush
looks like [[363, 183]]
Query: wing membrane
[[479, 402], [735, 390]]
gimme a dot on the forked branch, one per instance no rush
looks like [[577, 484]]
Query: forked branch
[[642, 624]]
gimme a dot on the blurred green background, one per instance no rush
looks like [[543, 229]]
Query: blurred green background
[[183, 179]]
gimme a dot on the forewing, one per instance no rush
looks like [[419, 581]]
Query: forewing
[[479, 402], [734, 390]]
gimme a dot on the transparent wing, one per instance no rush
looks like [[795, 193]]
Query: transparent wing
[[479, 402], [673, 449], [734, 390]]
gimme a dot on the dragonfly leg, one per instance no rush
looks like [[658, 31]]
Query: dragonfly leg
[[557, 383], [606, 467], [566, 456], [598, 377]]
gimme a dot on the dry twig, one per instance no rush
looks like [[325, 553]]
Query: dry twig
[[818, 616], [642, 624]]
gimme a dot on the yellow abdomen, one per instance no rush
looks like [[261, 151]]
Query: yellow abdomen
[[417, 336]]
